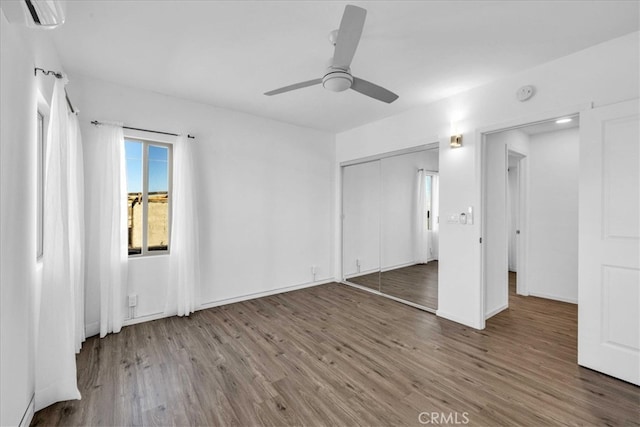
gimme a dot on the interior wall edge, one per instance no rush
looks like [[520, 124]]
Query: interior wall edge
[[463, 321], [496, 311], [28, 413]]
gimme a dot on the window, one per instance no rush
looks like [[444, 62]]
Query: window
[[148, 196], [40, 141]]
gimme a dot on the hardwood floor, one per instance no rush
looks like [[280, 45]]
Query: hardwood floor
[[416, 283], [336, 355], [371, 280]]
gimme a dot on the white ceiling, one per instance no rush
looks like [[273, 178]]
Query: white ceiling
[[229, 53]]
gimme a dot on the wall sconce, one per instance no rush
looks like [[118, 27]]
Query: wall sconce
[[456, 141]]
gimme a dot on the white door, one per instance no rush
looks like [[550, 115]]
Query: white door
[[495, 237], [609, 241]]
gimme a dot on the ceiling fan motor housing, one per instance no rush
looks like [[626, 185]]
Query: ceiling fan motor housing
[[337, 79]]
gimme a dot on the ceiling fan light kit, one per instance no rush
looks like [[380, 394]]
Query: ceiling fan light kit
[[337, 80], [338, 77]]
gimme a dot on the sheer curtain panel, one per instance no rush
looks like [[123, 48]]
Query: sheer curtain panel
[[58, 333], [184, 268], [108, 263], [77, 226], [421, 244]]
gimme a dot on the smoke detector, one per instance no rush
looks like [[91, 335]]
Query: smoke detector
[[525, 93]]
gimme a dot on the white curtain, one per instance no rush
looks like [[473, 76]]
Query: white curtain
[[77, 226], [184, 271], [109, 255], [434, 242], [60, 308], [421, 244]]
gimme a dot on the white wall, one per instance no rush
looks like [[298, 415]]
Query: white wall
[[603, 74], [265, 200], [553, 215], [20, 273]]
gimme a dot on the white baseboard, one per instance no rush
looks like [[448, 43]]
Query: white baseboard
[[496, 311], [385, 269], [406, 264], [247, 297], [403, 265], [145, 318], [27, 417], [457, 319], [217, 303], [362, 273], [553, 297]]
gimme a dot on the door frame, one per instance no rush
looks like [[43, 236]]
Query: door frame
[[481, 136]]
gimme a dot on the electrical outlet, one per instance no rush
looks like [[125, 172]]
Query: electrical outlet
[[133, 300]]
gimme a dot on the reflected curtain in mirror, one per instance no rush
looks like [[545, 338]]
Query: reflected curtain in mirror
[[422, 217]]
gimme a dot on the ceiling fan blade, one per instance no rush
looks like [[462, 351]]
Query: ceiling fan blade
[[294, 87], [374, 91], [348, 35]]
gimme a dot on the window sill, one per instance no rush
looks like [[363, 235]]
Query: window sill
[[148, 256]]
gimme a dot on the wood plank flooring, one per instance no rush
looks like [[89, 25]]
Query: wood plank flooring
[[416, 283], [336, 355], [371, 280]]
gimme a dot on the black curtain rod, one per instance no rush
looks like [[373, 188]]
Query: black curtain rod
[[58, 75], [97, 123]]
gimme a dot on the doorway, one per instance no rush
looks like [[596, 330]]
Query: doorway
[[529, 213], [515, 206]]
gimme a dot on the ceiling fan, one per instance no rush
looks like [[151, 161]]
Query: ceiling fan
[[338, 77]]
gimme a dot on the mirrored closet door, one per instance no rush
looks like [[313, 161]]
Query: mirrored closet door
[[390, 210], [361, 224]]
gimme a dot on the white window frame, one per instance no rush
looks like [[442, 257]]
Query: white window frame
[[146, 142]]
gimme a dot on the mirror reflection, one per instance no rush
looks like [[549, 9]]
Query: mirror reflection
[[409, 231], [390, 226], [361, 224]]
